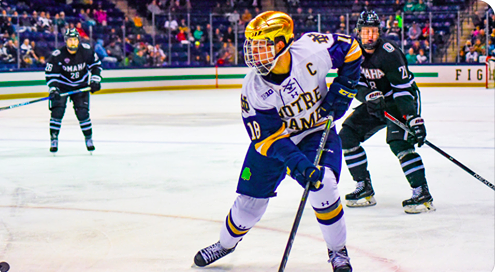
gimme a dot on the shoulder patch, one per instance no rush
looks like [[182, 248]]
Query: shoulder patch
[[388, 47], [85, 45], [56, 52]]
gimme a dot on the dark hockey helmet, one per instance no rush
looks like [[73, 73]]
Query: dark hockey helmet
[[72, 44], [368, 19]]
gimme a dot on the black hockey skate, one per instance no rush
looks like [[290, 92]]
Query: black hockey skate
[[210, 254], [421, 201], [362, 196], [340, 260], [89, 145], [53, 145]]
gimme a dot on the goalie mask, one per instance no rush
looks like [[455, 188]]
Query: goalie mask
[[72, 41], [368, 29], [262, 34]]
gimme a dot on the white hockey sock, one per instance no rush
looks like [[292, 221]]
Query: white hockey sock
[[243, 215], [329, 211]]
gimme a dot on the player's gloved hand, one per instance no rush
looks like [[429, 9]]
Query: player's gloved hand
[[54, 93], [337, 101], [375, 104], [95, 84], [303, 171], [417, 125]]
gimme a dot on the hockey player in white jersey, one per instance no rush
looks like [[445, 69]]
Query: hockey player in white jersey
[[284, 103]]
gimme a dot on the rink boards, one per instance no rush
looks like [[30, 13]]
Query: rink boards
[[32, 84]]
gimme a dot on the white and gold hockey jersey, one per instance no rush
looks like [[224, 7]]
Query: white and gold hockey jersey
[[288, 109]]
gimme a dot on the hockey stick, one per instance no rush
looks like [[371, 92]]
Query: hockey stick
[[45, 98], [304, 198], [443, 153]]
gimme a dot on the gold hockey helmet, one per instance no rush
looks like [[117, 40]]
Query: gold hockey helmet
[[262, 33]]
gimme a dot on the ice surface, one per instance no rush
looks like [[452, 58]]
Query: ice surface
[[163, 178]]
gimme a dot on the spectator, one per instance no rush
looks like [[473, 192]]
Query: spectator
[[420, 6], [246, 16], [82, 33], [217, 10], [356, 9], [44, 23], [181, 36], [234, 17], [11, 50], [421, 57], [416, 45], [101, 16], [139, 58], [85, 18], [198, 34], [102, 52], [34, 20], [25, 48], [482, 36], [389, 23], [411, 56], [114, 50], [426, 32], [153, 8], [129, 26], [409, 6], [199, 55], [40, 52], [478, 46], [159, 56], [414, 32], [476, 19], [227, 53], [299, 17], [398, 6], [8, 27], [25, 23], [229, 36], [171, 25], [183, 25], [394, 32], [398, 17], [310, 18], [58, 24], [341, 30], [4, 57], [138, 25], [461, 57], [472, 55], [217, 37]]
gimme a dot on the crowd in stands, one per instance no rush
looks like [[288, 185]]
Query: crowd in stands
[[185, 34], [479, 43]]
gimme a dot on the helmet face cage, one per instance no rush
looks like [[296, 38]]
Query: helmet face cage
[[368, 19], [260, 54]]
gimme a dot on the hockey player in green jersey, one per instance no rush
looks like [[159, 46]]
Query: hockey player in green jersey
[[386, 84]]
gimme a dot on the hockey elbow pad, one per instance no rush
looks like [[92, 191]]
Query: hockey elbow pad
[[337, 101]]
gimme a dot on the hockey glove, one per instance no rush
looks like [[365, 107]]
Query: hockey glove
[[303, 171], [337, 101], [54, 93], [95, 84], [375, 104], [417, 125]]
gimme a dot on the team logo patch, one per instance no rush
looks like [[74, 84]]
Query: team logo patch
[[67, 60], [246, 174]]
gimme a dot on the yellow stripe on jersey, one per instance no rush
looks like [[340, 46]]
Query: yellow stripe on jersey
[[354, 53], [263, 146], [329, 215]]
